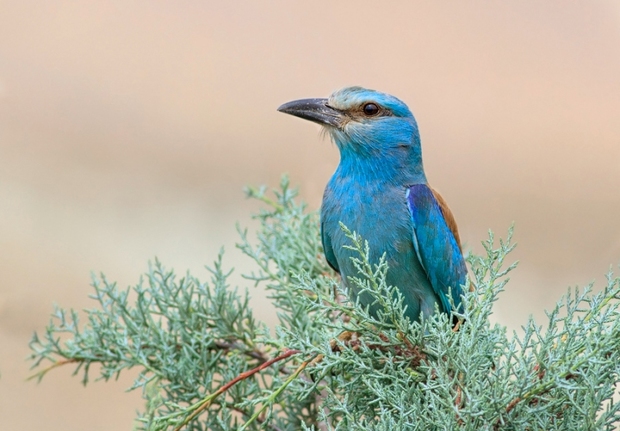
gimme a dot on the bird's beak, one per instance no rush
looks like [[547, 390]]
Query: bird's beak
[[316, 110]]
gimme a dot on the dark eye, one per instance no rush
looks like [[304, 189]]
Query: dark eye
[[370, 109]]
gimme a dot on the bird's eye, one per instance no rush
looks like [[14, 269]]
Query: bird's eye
[[370, 109]]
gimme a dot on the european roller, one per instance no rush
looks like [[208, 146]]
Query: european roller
[[380, 191]]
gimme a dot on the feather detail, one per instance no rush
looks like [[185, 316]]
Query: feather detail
[[436, 245], [448, 216]]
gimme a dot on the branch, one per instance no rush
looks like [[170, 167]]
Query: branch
[[44, 371], [206, 402], [277, 392]]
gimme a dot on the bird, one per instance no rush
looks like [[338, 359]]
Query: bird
[[379, 190]]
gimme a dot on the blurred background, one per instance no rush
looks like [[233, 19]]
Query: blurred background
[[128, 130]]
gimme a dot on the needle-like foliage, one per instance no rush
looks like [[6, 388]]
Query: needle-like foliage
[[206, 364]]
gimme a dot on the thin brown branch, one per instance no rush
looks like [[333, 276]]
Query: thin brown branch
[[255, 354], [57, 364], [277, 392], [209, 400]]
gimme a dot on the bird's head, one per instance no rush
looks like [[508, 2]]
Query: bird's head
[[362, 122]]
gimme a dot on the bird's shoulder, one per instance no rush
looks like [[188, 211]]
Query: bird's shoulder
[[424, 194], [447, 215], [436, 242]]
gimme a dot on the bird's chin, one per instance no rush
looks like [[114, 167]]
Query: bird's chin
[[328, 132], [337, 134]]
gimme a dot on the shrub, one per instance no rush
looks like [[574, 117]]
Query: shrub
[[205, 363]]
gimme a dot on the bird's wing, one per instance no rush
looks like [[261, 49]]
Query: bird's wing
[[328, 250], [436, 245], [448, 216]]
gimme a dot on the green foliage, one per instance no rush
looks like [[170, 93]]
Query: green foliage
[[206, 364]]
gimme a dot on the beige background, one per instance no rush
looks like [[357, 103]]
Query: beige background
[[128, 129]]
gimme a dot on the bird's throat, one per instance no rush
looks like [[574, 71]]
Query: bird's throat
[[392, 168]]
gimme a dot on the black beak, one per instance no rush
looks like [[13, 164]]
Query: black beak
[[316, 110]]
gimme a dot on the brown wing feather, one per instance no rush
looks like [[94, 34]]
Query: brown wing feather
[[447, 214]]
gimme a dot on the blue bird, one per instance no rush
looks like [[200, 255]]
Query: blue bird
[[380, 191]]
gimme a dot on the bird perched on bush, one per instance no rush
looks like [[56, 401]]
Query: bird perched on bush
[[380, 191]]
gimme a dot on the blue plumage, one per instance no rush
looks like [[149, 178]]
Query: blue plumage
[[379, 190], [435, 245]]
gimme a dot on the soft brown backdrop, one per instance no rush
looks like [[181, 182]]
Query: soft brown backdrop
[[127, 130]]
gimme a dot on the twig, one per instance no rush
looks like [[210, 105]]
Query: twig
[[44, 371], [277, 392], [206, 402], [255, 354], [259, 420]]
